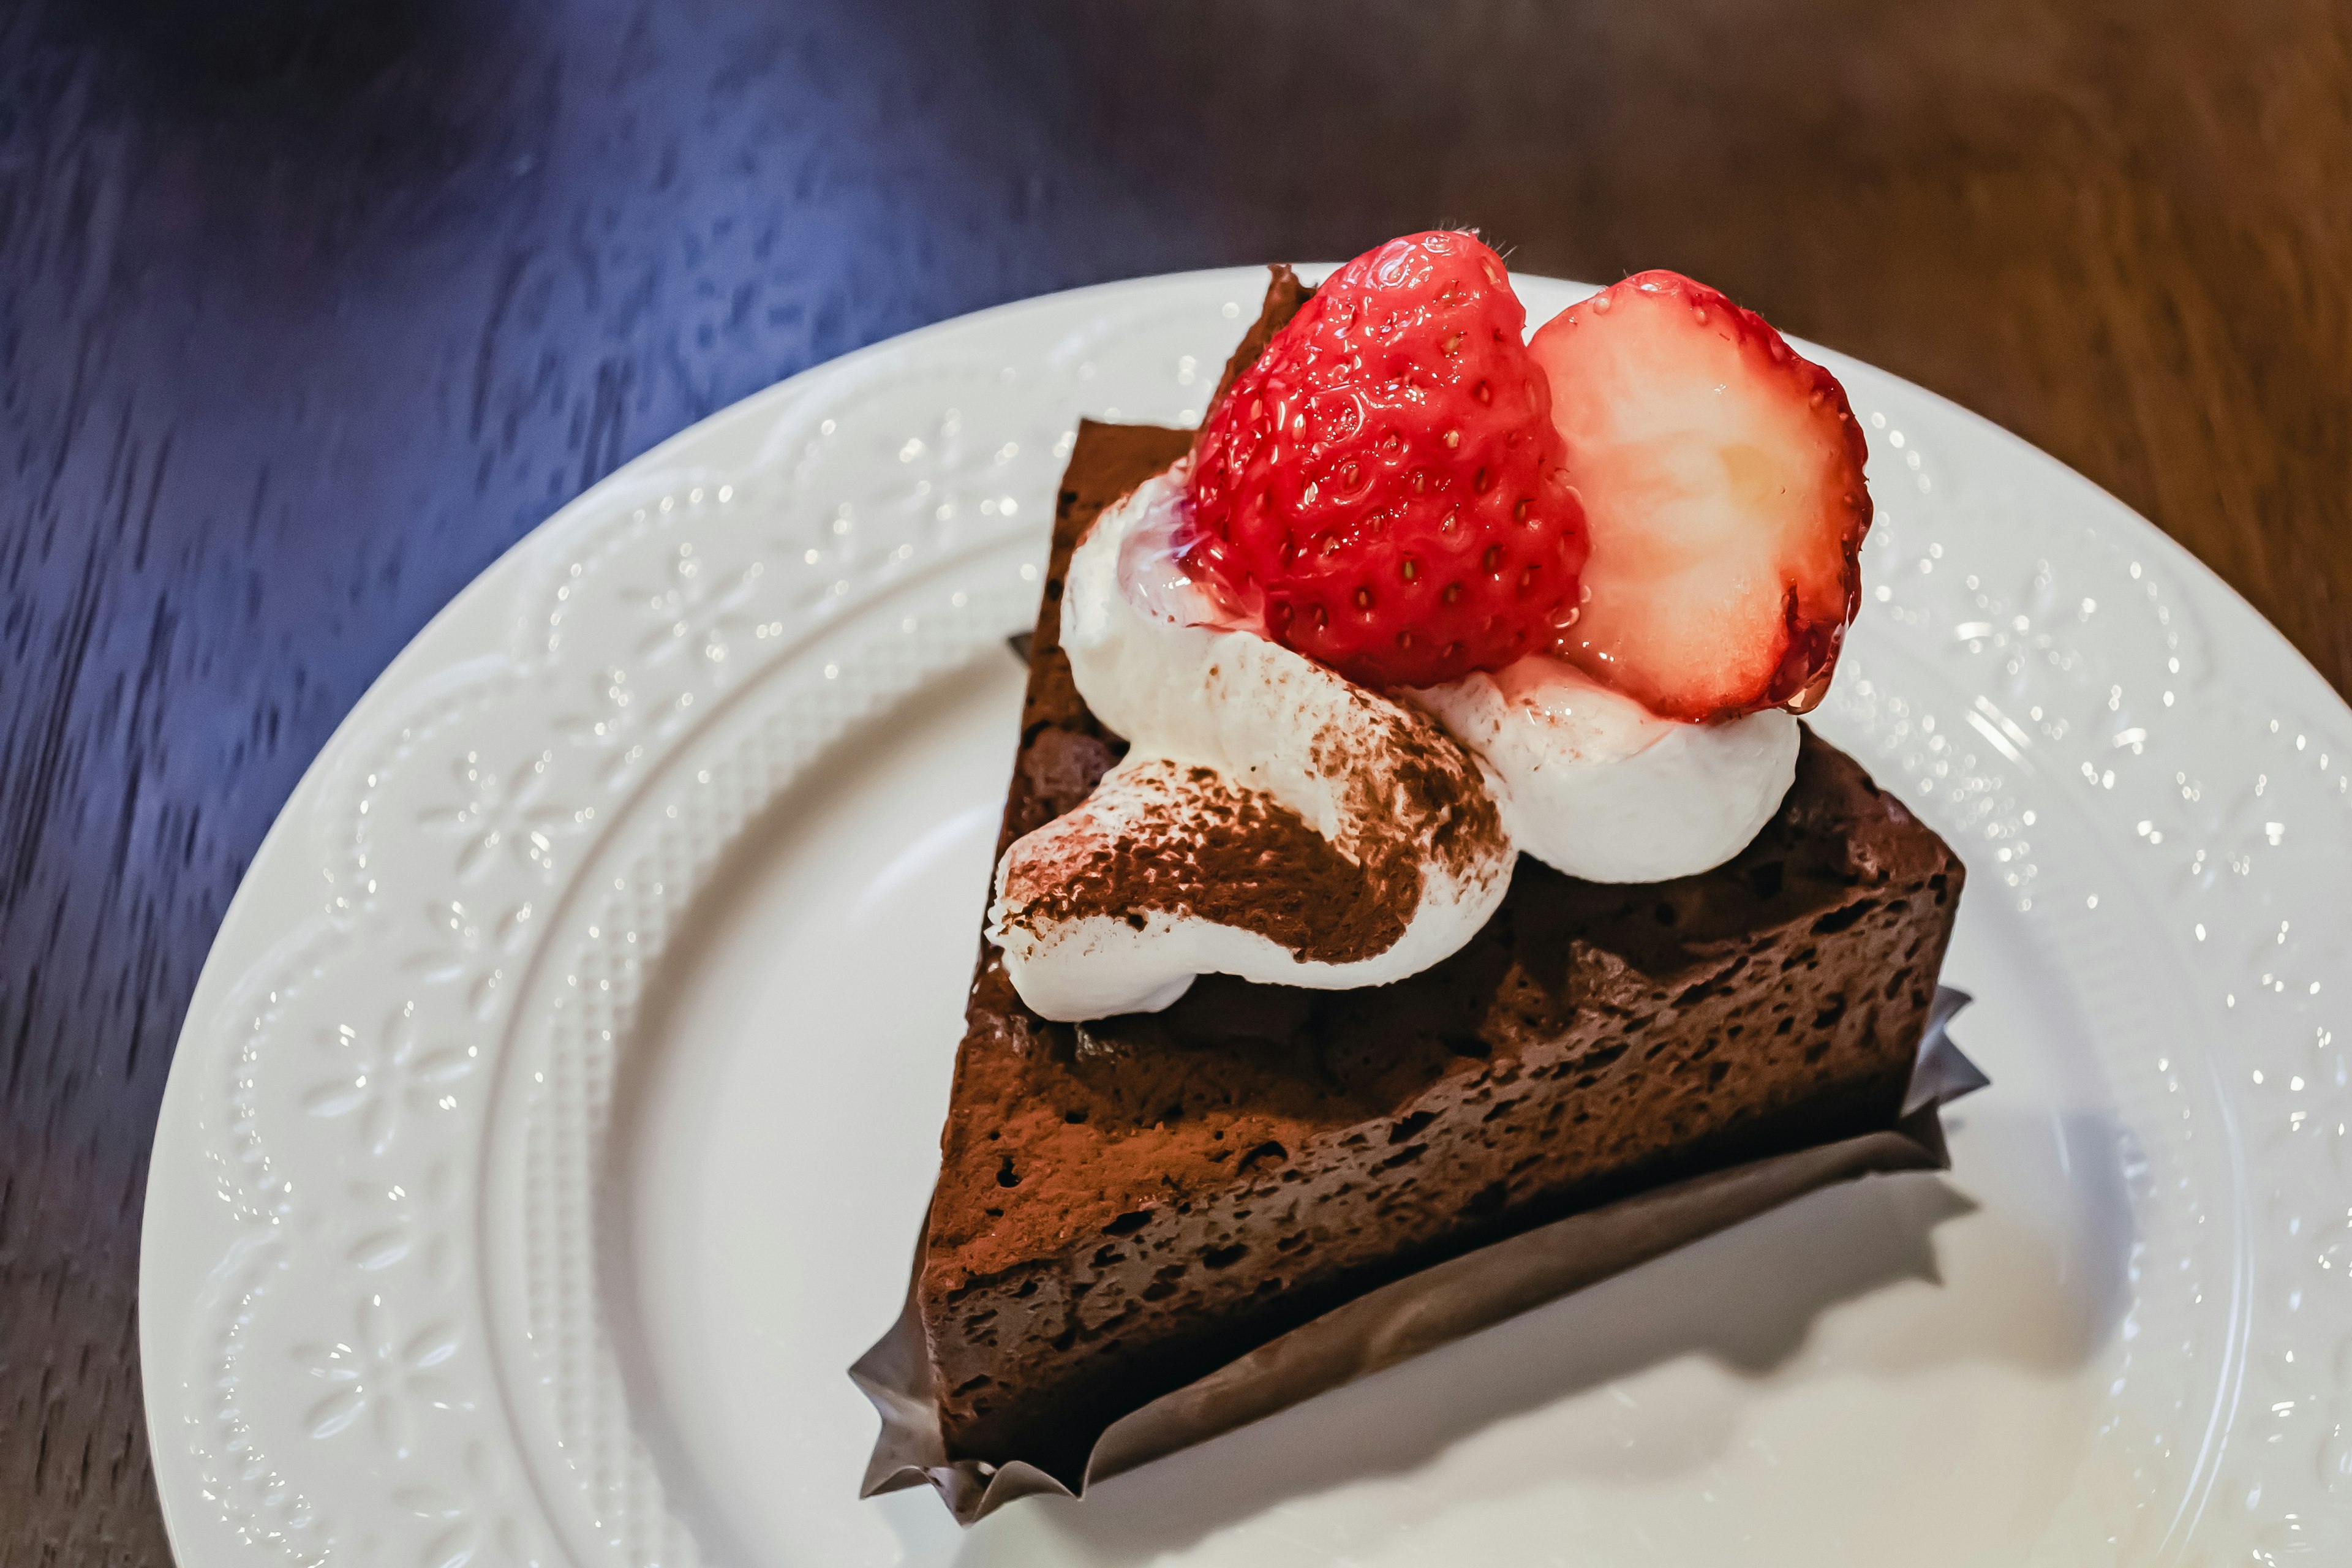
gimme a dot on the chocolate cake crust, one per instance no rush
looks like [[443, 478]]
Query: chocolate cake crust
[[1124, 1205]]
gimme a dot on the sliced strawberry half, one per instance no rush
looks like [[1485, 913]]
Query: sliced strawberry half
[[1721, 475]]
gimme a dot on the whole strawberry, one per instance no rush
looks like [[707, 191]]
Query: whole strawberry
[[1387, 482]]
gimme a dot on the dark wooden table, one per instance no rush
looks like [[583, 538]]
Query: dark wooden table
[[310, 308]]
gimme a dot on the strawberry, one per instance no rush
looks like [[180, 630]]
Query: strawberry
[[1385, 485], [1721, 477]]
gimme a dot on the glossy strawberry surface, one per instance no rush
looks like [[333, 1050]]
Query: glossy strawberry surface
[[1386, 486]]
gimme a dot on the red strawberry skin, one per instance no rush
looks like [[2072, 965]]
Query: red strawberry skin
[[1721, 476], [1387, 482]]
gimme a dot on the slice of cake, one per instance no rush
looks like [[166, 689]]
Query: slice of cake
[[1126, 1203]]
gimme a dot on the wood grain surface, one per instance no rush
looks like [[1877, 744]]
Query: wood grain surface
[[310, 308]]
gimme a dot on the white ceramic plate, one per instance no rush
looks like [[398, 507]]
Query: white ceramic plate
[[555, 1117]]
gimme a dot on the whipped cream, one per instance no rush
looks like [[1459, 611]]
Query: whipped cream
[[1275, 821], [1271, 819], [1596, 786]]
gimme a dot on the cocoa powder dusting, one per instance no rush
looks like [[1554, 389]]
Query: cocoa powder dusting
[[1169, 838], [1438, 807], [1197, 845]]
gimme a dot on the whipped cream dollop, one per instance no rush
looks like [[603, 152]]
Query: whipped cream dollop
[[1275, 821], [1596, 786], [1271, 819]]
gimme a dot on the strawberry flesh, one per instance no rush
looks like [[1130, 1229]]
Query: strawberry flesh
[[1721, 477], [1386, 485]]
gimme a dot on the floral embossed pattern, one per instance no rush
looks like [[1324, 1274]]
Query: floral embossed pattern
[[374, 1215]]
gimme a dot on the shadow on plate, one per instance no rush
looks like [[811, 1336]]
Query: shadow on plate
[[1747, 1300]]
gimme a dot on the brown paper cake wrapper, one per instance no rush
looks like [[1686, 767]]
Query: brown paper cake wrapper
[[1408, 1316]]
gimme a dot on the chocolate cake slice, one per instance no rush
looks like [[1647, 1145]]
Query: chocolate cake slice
[[1124, 1205]]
